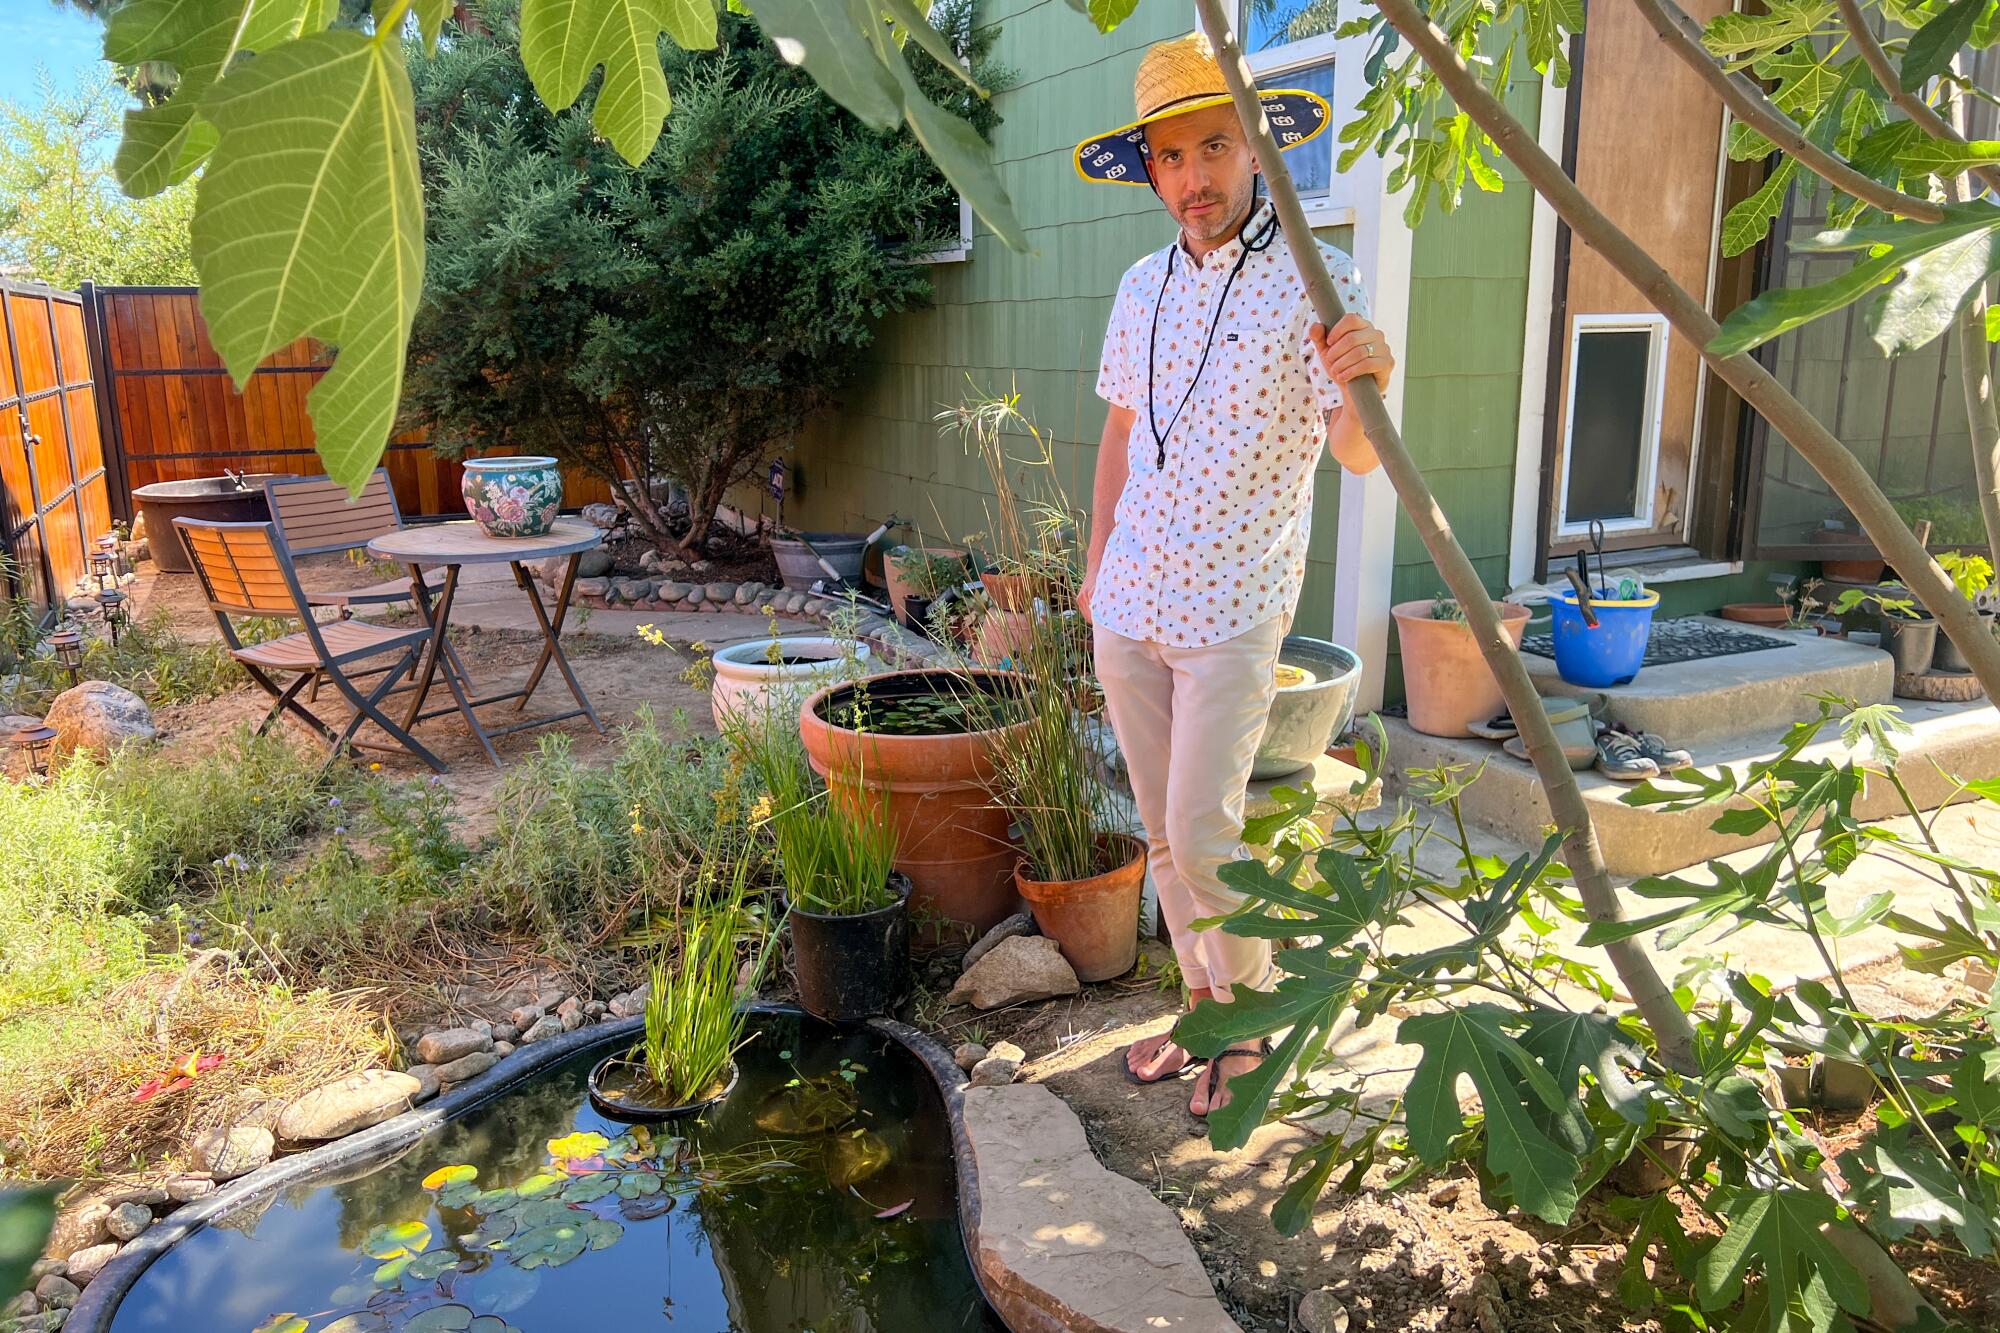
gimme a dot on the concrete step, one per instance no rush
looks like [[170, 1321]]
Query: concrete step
[[1694, 703], [1961, 739]]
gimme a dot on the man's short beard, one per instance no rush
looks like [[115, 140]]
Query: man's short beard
[[1226, 218]]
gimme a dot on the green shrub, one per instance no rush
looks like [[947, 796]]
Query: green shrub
[[583, 852], [150, 659]]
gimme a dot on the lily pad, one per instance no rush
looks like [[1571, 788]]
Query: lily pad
[[541, 1183], [432, 1264], [646, 1207], [550, 1246], [283, 1323], [544, 1213], [450, 1175], [496, 1229], [361, 1321], [441, 1319], [487, 1201], [390, 1242], [589, 1189], [491, 1323], [389, 1274], [635, 1184], [579, 1144], [601, 1233], [460, 1195]]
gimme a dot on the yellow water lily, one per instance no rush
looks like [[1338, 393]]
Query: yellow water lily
[[581, 1144]]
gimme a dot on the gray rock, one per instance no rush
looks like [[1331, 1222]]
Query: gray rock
[[337, 1109], [696, 595], [994, 1072], [548, 1025], [427, 1081], [1322, 1312], [570, 1014], [672, 592], [146, 1196], [593, 564], [593, 1009], [86, 1264], [601, 515], [481, 1026], [99, 716], [226, 1153], [746, 593], [1028, 967], [467, 1066], [549, 999], [1018, 924], [721, 592], [968, 1055], [503, 1049], [592, 588], [41, 1268], [79, 1227], [441, 1048], [83, 606], [1007, 1050], [505, 1032], [525, 1016], [186, 1189], [57, 1293], [23, 1306]]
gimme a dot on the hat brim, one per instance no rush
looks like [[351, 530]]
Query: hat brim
[[1118, 157]]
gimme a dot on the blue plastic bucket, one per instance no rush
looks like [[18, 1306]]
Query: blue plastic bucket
[[1611, 653]]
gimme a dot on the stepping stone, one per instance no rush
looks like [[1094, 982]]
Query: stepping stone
[[1064, 1243]]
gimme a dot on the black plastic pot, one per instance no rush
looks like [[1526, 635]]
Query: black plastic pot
[[917, 614], [638, 1112], [852, 968]]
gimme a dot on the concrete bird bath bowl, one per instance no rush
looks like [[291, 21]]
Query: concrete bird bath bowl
[[1314, 703]]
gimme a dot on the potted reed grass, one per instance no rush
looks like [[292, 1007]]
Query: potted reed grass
[[685, 1060], [847, 908]]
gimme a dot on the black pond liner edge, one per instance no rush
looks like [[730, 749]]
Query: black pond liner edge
[[98, 1305]]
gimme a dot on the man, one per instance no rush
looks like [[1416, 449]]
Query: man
[[1221, 399]]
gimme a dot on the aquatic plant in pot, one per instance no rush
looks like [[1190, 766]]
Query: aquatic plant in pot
[[684, 1061], [1445, 677], [912, 741], [922, 571], [1909, 635], [847, 909], [1080, 878], [1973, 576]]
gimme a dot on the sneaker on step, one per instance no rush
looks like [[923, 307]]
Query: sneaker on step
[[1655, 747], [1619, 756]]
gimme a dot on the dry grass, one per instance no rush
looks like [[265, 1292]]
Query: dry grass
[[68, 1102]]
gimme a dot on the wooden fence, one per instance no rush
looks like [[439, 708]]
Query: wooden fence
[[174, 413], [54, 491]]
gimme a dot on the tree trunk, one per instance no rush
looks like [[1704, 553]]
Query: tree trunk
[[1635, 969], [1826, 455]]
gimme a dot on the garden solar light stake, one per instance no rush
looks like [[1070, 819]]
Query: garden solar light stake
[[1641, 979]]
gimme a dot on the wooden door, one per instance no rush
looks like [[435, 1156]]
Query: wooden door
[[1628, 394]]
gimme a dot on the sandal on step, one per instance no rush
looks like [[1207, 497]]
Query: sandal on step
[[1499, 727]]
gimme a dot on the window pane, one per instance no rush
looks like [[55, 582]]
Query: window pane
[[1270, 23], [1609, 423], [1311, 163]]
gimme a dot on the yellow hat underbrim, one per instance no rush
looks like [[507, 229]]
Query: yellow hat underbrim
[[1118, 157]]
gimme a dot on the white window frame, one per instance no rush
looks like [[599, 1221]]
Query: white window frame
[[1649, 449], [1340, 205], [961, 252]]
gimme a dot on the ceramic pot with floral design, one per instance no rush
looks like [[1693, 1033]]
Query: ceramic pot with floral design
[[513, 496]]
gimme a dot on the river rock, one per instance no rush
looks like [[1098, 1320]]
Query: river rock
[[99, 716], [41, 1268], [1322, 1312], [502, 1049], [593, 564], [79, 1227], [524, 1017], [1024, 967], [467, 1066], [968, 1055], [231, 1152], [23, 1306], [994, 1072], [570, 1014], [188, 1188], [428, 1085], [87, 1263], [345, 1105], [548, 1025], [601, 515], [505, 1032], [670, 591], [441, 1048], [57, 1293], [1018, 924]]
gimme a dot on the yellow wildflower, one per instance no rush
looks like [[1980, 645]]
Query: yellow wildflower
[[762, 810]]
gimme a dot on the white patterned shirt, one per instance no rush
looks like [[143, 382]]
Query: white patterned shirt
[[1213, 543]]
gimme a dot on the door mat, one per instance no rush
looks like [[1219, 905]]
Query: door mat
[[1686, 640]]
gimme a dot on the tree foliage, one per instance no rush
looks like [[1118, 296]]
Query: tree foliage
[[63, 218], [677, 318]]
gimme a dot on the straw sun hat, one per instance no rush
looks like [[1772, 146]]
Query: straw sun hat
[[1175, 78]]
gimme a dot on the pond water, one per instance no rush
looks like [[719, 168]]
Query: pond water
[[818, 1198]]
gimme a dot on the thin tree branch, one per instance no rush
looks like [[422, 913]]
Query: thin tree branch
[[1850, 482], [1567, 808], [1908, 102], [1975, 378], [1749, 104]]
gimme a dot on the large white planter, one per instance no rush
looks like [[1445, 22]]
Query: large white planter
[[747, 678]]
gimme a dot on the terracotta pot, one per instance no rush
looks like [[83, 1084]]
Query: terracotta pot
[[1010, 592], [951, 836], [1769, 614], [899, 587], [1001, 634], [1095, 921], [1445, 678], [1852, 571]]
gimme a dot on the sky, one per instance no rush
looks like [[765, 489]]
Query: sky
[[36, 35]]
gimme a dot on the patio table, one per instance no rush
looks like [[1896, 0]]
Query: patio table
[[450, 547]]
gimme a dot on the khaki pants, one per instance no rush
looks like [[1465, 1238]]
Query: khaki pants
[[1189, 721]]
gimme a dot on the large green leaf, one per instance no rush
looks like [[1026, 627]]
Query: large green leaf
[[309, 223], [1776, 1234], [163, 144], [1569, 1045], [1901, 1182], [1516, 1094], [1933, 45], [1893, 246], [1309, 1001], [1917, 151], [564, 41], [1740, 36], [1935, 287], [1341, 908]]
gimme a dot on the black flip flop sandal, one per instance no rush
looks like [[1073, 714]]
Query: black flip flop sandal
[[1499, 727], [1261, 1048], [1193, 1062]]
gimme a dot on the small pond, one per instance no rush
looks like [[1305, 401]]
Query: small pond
[[818, 1198]]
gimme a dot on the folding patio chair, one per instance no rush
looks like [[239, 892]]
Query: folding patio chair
[[245, 570], [316, 516]]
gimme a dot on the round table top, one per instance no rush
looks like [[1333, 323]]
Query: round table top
[[464, 542]]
